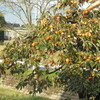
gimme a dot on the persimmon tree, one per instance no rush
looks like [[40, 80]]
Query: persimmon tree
[[63, 50]]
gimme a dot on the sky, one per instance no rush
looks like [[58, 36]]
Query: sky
[[13, 19], [85, 5]]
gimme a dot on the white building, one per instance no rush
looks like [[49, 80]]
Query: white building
[[12, 34]]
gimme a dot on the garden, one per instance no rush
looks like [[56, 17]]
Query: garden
[[66, 44]]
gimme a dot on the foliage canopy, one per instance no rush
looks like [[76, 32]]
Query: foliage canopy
[[2, 20]]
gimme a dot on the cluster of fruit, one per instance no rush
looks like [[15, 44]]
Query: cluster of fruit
[[86, 34]]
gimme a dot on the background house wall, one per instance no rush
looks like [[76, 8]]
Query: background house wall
[[12, 34]]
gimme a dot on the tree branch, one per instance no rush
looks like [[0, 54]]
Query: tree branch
[[94, 5], [55, 70]]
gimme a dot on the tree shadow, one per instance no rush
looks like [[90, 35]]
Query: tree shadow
[[68, 95]]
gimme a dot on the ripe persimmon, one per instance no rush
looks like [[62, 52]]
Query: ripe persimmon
[[33, 44], [90, 77], [73, 1], [86, 11], [48, 38], [88, 59], [98, 58], [58, 6], [68, 60], [93, 74]]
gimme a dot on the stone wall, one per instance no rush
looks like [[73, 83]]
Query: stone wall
[[61, 95], [53, 93]]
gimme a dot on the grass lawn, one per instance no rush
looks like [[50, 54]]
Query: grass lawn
[[9, 94], [2, 47]]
